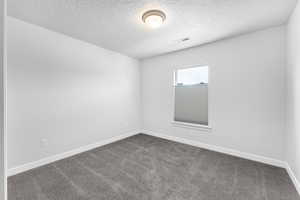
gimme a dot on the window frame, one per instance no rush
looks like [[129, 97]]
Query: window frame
[[187, 125]]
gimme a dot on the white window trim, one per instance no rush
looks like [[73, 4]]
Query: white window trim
[[208, 127], [191, 125]]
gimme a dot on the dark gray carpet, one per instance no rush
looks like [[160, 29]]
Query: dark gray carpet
[[148, 168]]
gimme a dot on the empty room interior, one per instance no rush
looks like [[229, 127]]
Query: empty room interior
[[150, 100]]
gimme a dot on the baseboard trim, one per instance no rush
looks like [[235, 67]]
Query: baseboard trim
[[249, 156], [293, 177], [50, 159]]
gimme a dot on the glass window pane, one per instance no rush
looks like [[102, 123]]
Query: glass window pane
[[192, 76], [191, 95]]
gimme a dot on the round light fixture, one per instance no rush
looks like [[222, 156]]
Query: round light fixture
[[154, 18]]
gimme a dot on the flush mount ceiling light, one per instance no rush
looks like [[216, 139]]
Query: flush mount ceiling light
[[154, 18]]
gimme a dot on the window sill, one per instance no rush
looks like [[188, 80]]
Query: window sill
[[192, 126]]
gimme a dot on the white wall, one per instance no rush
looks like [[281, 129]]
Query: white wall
[[191, 104], [247, 90], [2, 96], [65, 91], [293, 93]]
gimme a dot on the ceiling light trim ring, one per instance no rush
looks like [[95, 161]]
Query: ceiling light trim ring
[[154, 12]]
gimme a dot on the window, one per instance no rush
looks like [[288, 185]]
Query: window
[[191, 96], [192, 76]]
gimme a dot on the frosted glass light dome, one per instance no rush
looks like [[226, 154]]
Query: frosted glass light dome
[[154, 18]]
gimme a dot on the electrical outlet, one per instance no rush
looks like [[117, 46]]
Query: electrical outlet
[[124, 125], [44, 142]]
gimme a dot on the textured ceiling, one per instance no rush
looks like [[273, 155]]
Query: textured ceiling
[[117, 25]]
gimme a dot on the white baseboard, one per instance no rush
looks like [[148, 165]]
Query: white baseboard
[[249, 156], [44, 161], [258, 158], [293, 177]]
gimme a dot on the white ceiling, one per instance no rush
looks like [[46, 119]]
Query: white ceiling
[[117, 25]]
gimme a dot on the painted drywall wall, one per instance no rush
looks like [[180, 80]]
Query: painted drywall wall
[[2, 101], [292, 134], [191, 104], [247, 92], [64, 93]]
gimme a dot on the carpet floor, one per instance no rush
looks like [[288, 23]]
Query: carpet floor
[[148, 168]]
